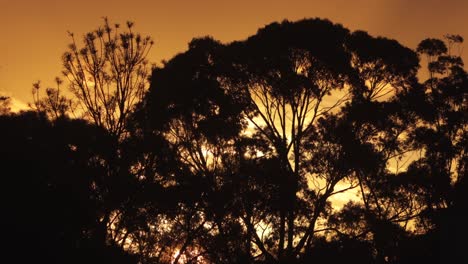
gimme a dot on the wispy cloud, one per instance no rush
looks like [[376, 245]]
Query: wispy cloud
[[15, 104], [18, 105]]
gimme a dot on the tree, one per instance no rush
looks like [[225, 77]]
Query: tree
[[194, 125], [441, 136], [276, 119], [373, 130], [237, 151], [55, 105], [285, 84], [52, 171], [443, 119], [108, 75]]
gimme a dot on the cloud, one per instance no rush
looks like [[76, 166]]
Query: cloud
[[15, 105], [18, 105]]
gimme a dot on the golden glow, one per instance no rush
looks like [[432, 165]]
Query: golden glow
[[34, 33]]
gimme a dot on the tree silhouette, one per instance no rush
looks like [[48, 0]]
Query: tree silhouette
[[373, 131], [242, 152], [307, 103], [441, 134], [108, 75], [55, 105], [198, 123], [51, 206], [286, 83]]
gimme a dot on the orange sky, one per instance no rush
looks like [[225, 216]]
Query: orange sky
[[34, 31]]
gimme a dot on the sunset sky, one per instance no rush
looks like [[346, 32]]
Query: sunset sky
[[34, 33]]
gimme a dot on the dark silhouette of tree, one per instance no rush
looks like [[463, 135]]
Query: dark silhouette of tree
[[285, 84], [239, 152], [55, 105], [441, 136], [373, 131], [199, 123], [107, 77], [50, 206], [108, 74], [292, 93]]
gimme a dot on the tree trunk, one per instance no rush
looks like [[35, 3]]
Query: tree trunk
[[282, 232]]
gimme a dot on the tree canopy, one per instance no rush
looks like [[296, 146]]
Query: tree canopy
[[305, 142]]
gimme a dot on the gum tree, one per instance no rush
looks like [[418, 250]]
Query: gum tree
[[108, 73]]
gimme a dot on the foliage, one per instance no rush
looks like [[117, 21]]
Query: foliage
[[52, 174], [55, 105], [107, 76], [242, 152]]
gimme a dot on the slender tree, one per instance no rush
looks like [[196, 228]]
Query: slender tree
[[54, 104], [108, 74], [295, 153]]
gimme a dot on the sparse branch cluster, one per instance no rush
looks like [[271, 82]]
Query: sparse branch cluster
[[54, 104], [109, 74]]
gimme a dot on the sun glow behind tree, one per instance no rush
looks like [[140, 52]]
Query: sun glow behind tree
[[261, 150]]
